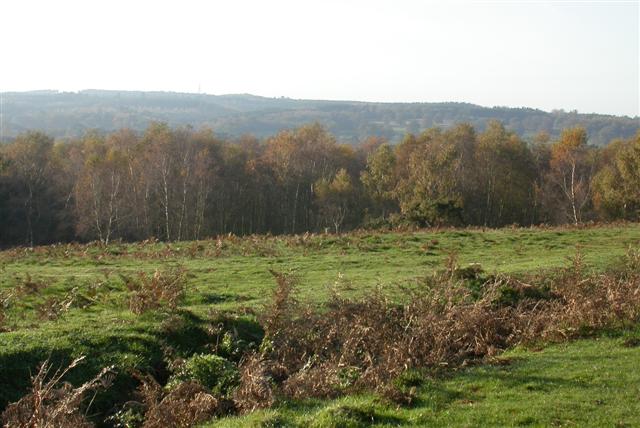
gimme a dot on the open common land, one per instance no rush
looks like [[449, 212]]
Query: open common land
[[60, 302]]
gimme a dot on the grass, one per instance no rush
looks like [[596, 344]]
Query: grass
[[592, 382], [229, 274], [239, 274]]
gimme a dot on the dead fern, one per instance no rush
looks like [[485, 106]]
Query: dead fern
[[150, 292], [186, 405], [258, 380], [52, 403]]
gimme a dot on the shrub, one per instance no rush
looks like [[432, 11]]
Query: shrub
[[233, 335], [513, 292], [217, 374]]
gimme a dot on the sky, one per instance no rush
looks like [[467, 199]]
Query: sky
[[574, 55]]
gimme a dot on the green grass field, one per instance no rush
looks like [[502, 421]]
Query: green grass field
[[233, 273]]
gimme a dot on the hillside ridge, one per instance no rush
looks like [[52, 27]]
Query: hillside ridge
[[71, 114]]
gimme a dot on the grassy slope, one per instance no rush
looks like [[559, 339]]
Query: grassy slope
[[592, 383], [239, 274], [234, 273]]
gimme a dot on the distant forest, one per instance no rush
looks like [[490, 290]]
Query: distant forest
[[184, 183], [71, 115]]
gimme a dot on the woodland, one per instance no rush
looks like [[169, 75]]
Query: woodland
[[182, 183]]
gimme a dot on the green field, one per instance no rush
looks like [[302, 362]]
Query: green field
[[69, 300]]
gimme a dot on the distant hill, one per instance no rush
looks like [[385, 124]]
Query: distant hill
[[70, 114]]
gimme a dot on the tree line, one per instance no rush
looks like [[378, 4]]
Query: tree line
[[183, 183]]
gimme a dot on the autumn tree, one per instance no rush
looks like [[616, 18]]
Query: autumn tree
[[29, 164], [100, 188], [204, 171], [336, 198], [404, 150], [135, 195], [379, 179], [300, 158], [431, 193], [541, 208], [163, 165], [504, 177], [571, 170], [368, 146], [617, 184], [233, 198]]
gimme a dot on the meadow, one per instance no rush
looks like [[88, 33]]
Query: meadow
[[63, 301]]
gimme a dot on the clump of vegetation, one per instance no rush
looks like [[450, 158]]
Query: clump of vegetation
[[217, 374], [185, 405], [233, 335], [587, 303], [399, 395], [30, 286], [351, 416], [54, 403], [402, 390], [162, 289], [258, 383], [376, 337], [53, 306], [631, 342]]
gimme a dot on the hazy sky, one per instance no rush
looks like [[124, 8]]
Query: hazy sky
[[571, 55]]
